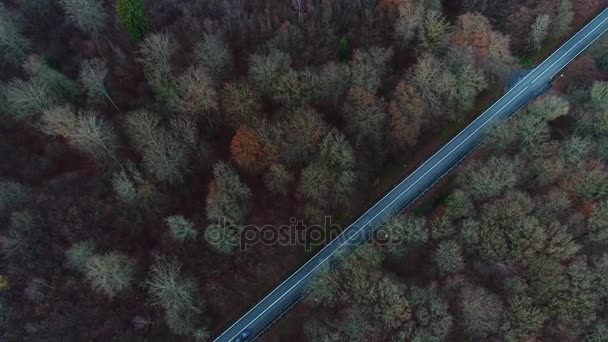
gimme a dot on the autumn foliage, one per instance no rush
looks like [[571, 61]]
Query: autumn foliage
[[248, 151]]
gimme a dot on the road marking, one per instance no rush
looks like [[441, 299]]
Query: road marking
[[405, 180], [567, 52]]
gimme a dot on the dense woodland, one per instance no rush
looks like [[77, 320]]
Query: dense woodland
[[134, 132]]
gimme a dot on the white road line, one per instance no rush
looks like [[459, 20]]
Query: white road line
[[575, 45], [405, 180]]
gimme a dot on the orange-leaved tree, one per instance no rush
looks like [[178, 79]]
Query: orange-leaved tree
[[248, 151]]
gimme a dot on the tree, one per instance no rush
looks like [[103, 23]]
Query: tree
[[431, 316], [58, 83], [369, 67], [156, 52], [522, 318], [481, 311], [92, 75], [175, 293], [337, 153], [538, 32], [22, 235], [266, 70], [564, 16], [132, 15], [448, 257], [489, 179], [434, 33], [323, 289], [223, 236], [133, 190], [213, 55], [87, 15], [13, 44], [335, 80], [278, 178], [391, 306], [228, 198], [111, 273], [469, 232], [314, 187], [365, 116], [469, 83], [27, 99], [575, 150], [442, 228], [164, 156], [532, 125], [599, 52], [407, 115], [599, 331], [402, 232], [196, 91], [13, 195], [168, 288], [343, 49], [181, 229], [459, 204], [329, 179], [84, 131], [79, 254], [240, 103], [599, 97], [298, 149], [598, 223], [474, 31], [410, 19], [248, 151], [295, 89], [434, 82]]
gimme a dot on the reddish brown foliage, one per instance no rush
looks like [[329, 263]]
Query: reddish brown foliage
[[582, 72], [473, 30], [586, 9], [407, 111], [248, 151], [586, 208]]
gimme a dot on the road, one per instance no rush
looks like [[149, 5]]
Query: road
[[288, 293]]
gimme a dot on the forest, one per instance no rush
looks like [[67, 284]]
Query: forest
[[134, 133]]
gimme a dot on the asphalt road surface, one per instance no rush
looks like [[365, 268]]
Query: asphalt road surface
[[284, 296]]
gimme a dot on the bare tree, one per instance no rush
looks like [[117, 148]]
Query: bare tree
[[299, 8], [92, 75], [538, 32]]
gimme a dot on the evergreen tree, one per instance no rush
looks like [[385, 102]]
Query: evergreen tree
[[132, 15]]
